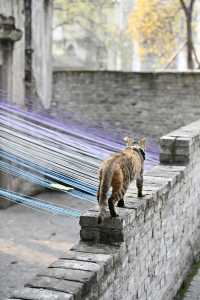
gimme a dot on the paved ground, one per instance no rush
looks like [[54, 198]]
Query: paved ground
[[30, 240]]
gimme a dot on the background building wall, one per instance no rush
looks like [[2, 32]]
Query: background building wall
[[42, 49], [16, 9], [34, 46], [148, 103]]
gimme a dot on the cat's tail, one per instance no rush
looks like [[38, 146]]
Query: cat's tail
[[104, 185]]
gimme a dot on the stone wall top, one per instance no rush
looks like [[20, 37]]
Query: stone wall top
[[156, 72], [179, 146], [157, 184]]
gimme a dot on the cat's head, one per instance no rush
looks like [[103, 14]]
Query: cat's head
[[136, 145]]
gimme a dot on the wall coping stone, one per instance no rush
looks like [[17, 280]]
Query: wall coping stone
[[58, 69], [177, 147]]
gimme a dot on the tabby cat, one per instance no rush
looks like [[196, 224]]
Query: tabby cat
[[117, 172]]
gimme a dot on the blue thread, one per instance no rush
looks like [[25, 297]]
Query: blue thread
[[38, 204]]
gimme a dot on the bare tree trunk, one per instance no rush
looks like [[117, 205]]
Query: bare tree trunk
[[190, 62], [188, 11]]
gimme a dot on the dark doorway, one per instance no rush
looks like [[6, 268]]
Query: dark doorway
[[5, 69], [1, 78]]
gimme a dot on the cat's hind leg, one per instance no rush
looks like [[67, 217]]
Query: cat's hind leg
[[116, 197], [111, 204], [121, 195], [117, 192]]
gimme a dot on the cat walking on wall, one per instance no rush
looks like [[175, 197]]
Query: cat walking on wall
[[117, 172]]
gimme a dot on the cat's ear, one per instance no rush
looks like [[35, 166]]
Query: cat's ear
[[142, 142], [129, 141]]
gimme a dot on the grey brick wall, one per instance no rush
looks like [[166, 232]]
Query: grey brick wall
[[146, 252], [152, 104]]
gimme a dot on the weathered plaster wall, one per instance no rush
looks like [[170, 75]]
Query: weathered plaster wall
[[36, 44], [42, 53], [146, 252], [12, 72], [16, 9], [150, 103]]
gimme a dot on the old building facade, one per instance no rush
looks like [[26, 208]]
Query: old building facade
[[25, 50], [25, 64]]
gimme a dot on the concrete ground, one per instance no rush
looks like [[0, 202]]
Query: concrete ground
[[31, 240]]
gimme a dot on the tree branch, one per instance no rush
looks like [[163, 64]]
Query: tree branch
[[184, 6], [175, 55], [187, 10], [192, 5]]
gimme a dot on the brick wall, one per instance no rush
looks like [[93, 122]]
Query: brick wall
[[152, 104], [146, 252]]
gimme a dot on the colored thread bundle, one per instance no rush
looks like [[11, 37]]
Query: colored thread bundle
[[45, 152], [38, 204]]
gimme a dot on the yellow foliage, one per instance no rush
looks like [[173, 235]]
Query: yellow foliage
[[154, 25]]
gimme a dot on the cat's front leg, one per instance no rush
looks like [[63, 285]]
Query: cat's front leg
[[139, 184], [111, 205]]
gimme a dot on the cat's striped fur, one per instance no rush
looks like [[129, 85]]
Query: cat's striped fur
[[117, 172]]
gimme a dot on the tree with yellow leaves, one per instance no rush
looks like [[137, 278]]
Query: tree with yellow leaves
[[158, 27]]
